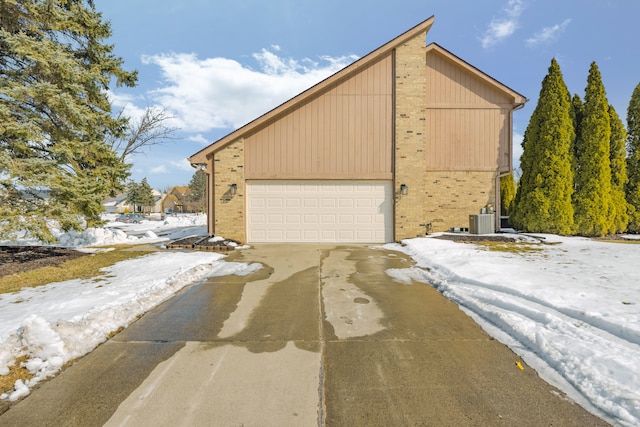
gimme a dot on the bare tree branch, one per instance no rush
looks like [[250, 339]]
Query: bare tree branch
[[151, 129]]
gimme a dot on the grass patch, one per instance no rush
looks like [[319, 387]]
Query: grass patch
[[511, 247], [16, 372], [623, 241], [80, 268], [85, 267]]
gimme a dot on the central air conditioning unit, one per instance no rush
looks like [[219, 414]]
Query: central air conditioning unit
[[482, 224]]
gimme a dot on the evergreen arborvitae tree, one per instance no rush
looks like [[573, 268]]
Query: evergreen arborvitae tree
[[55, 116], [594, 208], [633, 160], [619, 179], [198, 187], [576, 114], [543, 199], [507, 194]]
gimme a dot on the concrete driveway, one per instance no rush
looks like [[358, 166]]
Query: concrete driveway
[[319, 336]]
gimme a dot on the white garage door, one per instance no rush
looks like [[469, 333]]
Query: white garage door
[[319, 211]]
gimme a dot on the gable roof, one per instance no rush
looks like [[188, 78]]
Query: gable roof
[[518, 99], [170, 198], [283, 109], [181, 190]]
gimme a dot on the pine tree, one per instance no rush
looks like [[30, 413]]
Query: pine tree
[[543, 199], [619, 179], [145, 195], [594, 209], [140, 196], [55, 116], [507, 194], [632, 189], [133, 194], [198, 187]]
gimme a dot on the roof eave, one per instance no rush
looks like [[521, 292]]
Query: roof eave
[[518, 99]]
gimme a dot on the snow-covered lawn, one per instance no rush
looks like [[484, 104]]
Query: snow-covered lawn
[[53, 324], [570, 308]]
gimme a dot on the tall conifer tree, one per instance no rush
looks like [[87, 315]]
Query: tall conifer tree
[[576, 114], [543, 199], [198, 187], [55, 116], [633, 160], [594, 209], [619, 179], [146, 199], [507, 194]]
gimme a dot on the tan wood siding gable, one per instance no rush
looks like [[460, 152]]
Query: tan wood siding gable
[[200, 158], [467, 117], [345, 132]]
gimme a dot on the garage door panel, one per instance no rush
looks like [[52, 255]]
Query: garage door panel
[[293, 219], [293, 234], [345, 203], [274, 235], [319, 211], [311, 219], [346, 219], [275, 202], [310, 235]]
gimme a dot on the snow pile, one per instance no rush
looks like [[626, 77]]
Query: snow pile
[[115, 232], [186, 220], [148, 231], [94, 237], [570, 309], [69, 319]]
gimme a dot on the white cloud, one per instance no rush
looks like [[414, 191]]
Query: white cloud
[[160, 169], [129, 106], [517, 149], [515, 7], [127, 103], [548, 34], [199, 139], [204, 94], [171, 165], [503, 27], [183, 165]]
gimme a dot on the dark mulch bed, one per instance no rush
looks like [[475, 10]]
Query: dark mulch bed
[[18, 259], [201, 243]]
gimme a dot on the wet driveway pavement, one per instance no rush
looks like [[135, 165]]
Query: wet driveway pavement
[[319, 336]]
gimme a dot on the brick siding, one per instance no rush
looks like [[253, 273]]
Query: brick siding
[[228, 168], [443, 199], [410, 88]]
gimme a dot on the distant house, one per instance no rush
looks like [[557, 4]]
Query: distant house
[[407, 138], [171, 204], [117, 204], [158, 197], [179, 201]]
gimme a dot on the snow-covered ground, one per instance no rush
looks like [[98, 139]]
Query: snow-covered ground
[[53, 324], [570, 308]]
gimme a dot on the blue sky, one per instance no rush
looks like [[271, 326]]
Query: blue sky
[[218, 64]]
